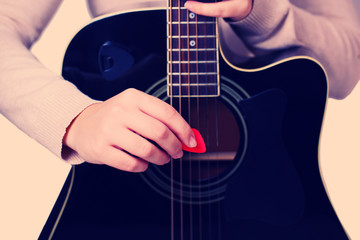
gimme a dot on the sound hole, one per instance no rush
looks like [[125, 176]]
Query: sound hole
[[220, 131], [201, 178]]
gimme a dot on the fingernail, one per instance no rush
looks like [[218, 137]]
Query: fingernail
[[187, 4], [192, 142]]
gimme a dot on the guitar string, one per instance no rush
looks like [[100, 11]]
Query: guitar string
[[189, 119], [180, 111], [198, 108], [217, 129], [198, 124], [218, 212], [217, 168], [214, 107], [208, 31], [170, 75], [217, 120], [212, 100]]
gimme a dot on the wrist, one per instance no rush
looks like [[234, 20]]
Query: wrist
[[69, 138]]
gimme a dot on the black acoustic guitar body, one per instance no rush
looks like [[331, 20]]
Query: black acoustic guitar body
[[260, 177]]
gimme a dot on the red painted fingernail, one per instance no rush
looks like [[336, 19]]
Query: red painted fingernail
[[200, 147]]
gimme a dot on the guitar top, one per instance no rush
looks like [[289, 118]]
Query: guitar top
[[258, 179]]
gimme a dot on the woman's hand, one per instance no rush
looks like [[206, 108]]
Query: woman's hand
[[120, 132], [233, 9], [117, 132]]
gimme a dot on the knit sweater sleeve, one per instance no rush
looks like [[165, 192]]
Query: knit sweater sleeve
[[39, 102], [328, 28]]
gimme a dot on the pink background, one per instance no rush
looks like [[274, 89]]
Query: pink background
[[31, 176]]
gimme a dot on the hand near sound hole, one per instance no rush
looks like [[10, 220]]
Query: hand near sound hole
[[233, 9], [116, 132]]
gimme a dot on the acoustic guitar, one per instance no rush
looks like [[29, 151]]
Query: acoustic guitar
[[259, 178]]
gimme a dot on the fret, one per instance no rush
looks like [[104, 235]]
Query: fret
[[193, 73], [192, 84], [183, 8], [196, 36], [195, 23], [186, 56], [193, 67], [192, 49], [194, 91], [196, 62], [193, 78], [193, 43], [192, 29]]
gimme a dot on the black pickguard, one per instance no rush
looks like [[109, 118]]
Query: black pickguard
[[276, 191]]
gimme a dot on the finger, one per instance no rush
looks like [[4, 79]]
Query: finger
[[121, 160], [156, 131], [166, 114], [225, 9], [139, 147]]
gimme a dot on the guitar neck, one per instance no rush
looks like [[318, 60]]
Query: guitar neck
[[193, 69]]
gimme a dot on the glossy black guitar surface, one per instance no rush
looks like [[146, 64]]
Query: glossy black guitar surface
[[260, 177]]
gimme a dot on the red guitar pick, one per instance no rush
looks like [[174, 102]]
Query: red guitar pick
[[200, 147]]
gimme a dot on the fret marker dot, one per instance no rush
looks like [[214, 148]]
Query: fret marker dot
[[192, 43], [192, 15]]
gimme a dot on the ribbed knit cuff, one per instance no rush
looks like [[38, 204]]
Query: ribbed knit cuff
[[58, 110]]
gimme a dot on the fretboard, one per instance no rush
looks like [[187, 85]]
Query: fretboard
[[192, 52]]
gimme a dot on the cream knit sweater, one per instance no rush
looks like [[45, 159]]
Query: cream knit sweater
[[42, 104]]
